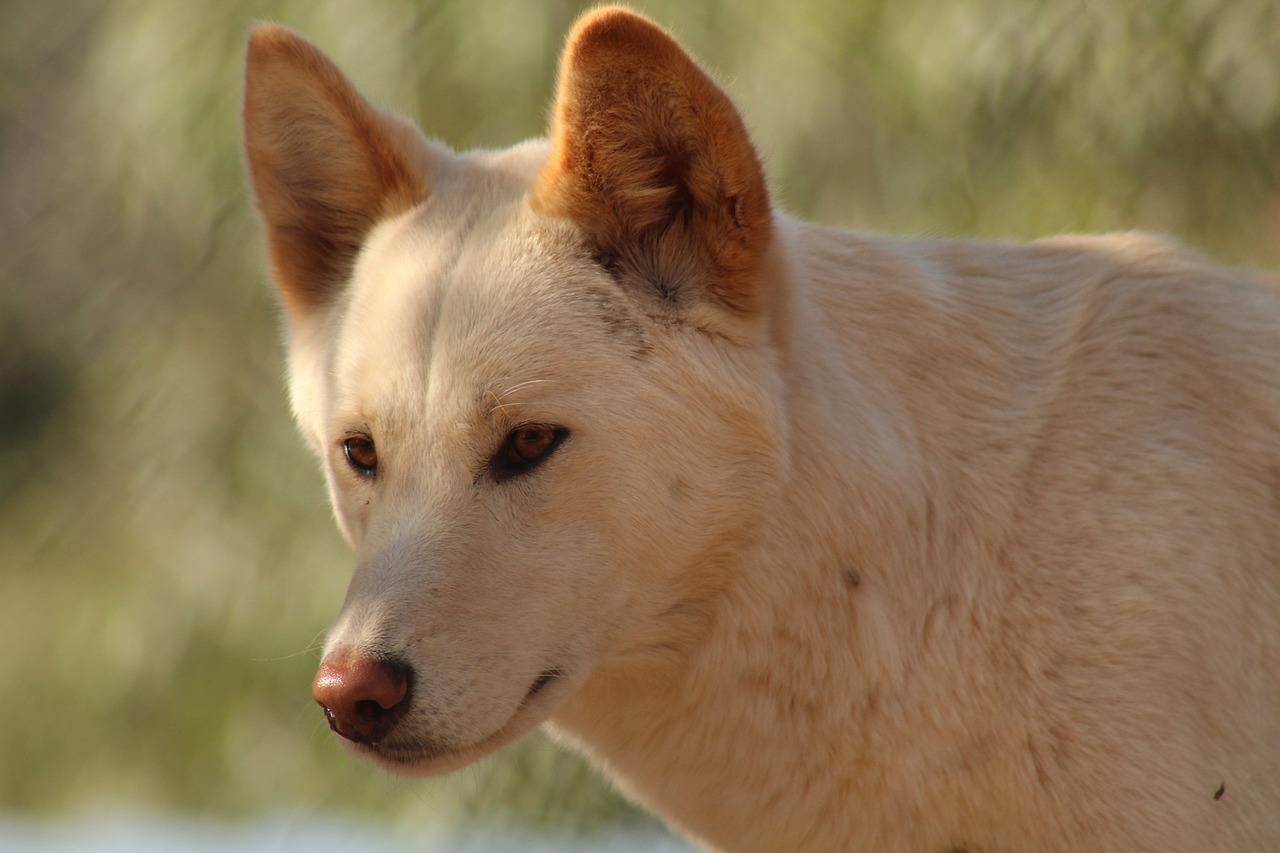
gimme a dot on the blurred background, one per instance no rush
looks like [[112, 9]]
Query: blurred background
[[167, 558]]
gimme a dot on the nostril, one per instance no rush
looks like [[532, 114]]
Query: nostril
[[362, 696], [369, 711]]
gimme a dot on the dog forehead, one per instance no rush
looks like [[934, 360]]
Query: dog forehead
[[479, 297]]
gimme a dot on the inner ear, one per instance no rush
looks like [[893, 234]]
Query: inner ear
[[325, 165], [651, 160]]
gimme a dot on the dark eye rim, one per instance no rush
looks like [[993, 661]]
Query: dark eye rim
[[361, 466], [507, 463]]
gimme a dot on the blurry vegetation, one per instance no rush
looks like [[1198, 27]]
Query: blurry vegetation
[[167, 560]]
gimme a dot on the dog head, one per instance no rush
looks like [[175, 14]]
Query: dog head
[[539, 380]]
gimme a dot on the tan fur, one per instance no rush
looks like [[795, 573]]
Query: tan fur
[[855, 542], [326, 165], [651, 154]]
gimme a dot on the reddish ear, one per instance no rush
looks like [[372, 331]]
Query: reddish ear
[[651, 159], [325, 165]]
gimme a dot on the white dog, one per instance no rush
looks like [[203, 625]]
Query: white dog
[[812, 540]]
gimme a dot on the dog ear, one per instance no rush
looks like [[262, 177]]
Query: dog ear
[[325, 165], [650, 158]]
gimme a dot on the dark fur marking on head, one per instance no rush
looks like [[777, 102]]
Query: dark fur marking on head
[[620, 320], [668, 279], [608, 261]]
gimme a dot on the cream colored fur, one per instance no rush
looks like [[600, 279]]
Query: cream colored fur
[[855, 543]]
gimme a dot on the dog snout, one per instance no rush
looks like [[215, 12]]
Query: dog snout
[[363, 696]]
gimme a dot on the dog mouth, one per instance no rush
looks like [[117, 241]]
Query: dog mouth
[[540, 683], [420, 755]]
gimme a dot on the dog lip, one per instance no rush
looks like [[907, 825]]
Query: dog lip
[[436, 758], [539, 684]]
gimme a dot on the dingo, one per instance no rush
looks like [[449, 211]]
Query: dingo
[[812, 540]]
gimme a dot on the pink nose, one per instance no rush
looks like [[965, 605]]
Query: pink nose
[[362, 696]]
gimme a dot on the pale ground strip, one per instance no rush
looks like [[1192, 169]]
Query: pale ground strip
[[145, 834]]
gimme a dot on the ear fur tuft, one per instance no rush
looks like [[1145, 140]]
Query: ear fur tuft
[[325, 165], [651, 159]]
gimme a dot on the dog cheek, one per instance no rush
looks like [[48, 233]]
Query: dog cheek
[[563, 570], [351, 509]]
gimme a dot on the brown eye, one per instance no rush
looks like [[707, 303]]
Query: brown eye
[[361, 454], [526, 446]]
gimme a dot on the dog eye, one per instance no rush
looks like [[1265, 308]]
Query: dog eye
[[361, 454], [525, 447]]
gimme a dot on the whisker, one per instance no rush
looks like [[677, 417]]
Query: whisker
[[498, 399]]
